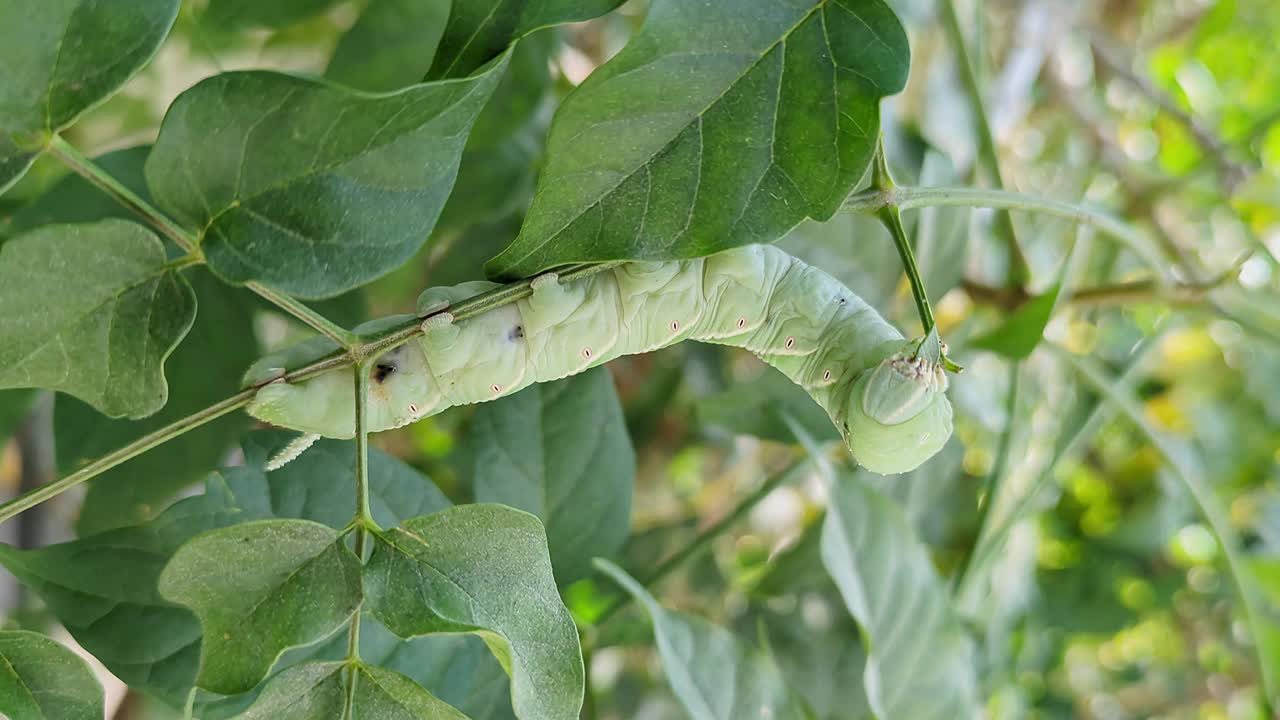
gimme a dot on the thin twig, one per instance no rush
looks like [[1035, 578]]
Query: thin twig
[[905, 197], [1211, 145]]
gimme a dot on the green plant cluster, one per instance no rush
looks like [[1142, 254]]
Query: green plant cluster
[[185, 187]]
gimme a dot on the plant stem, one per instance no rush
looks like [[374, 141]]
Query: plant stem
[[1018, 270], [84, 167], [703, 541], [892, 221], [992, 483], [132, 450], [315, 320], [906, 197], [363, 516]]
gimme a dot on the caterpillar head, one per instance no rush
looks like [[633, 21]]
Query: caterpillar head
[[899, 415]]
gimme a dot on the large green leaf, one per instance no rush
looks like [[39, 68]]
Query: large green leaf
[[720, 124], [103, 588], [480, 30], [310, 187], [260, 588], [483, 569], [318, 691], [715, 675], [920, 663], [205, 369], [61, 57], [458, 669], [390, 46], [42, 680], [93, 311], [559, 450]]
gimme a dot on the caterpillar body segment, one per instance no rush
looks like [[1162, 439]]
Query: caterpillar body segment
[[889, 404]]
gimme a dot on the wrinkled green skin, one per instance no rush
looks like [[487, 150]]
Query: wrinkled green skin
[[891, 408]]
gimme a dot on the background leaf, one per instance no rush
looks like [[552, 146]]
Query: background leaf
[[891, 589], [260, 588], [758, 407], [723, 147], [390, 46], [715, 676], [505, 147], [819, 652], [93, 311], [203, 370], [455, 571], [1018, 334], [62, 57], [559, 450], [309, 187], [42, 680], [479, 31]]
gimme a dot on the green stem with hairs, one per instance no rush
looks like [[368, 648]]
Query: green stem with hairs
[[363, 520], [871, 201], [84, 167]]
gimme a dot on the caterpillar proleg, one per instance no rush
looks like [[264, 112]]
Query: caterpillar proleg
[[888, 400]]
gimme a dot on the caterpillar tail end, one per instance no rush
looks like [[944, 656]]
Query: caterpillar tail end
[[290, 452], [899, 415]]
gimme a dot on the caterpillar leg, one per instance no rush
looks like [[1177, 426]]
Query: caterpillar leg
[[433, 300], [551, 303], [440, 331]]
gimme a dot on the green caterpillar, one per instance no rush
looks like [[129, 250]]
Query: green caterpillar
[[886, 397]]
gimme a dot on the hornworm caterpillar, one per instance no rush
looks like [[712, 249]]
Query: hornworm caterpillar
[[887, 399]]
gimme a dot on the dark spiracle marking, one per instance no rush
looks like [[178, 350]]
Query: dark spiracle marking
[[517, 333], [382, 371]]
